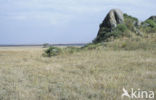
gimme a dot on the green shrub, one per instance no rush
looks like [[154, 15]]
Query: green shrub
[[52, 51], [126, 16], [122, 27], [151, 23], [131, 22], [120, 30]]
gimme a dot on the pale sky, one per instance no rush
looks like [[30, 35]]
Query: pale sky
[[62, 21]]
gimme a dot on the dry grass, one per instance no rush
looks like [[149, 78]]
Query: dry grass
[[86, 75]]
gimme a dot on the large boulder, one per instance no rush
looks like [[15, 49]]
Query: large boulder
[[111, 21], [116, 24], [114, 17]]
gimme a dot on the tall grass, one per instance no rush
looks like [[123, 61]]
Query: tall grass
[[90, 74]]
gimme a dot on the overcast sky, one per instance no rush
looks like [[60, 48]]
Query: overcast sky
[[61, 21]]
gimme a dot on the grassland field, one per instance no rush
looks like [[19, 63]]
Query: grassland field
[[86, 75]]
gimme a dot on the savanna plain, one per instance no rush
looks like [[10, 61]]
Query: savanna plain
[[96, 74]]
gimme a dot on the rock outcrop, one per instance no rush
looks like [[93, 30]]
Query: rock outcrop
[[114, 17], [116, 24]]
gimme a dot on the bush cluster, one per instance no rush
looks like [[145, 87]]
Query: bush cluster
[[52, 51]]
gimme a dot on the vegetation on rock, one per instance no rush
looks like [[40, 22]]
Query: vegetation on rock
[[106, 33], [148, 26]]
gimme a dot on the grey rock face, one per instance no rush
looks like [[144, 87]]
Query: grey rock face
[[114, 17]]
